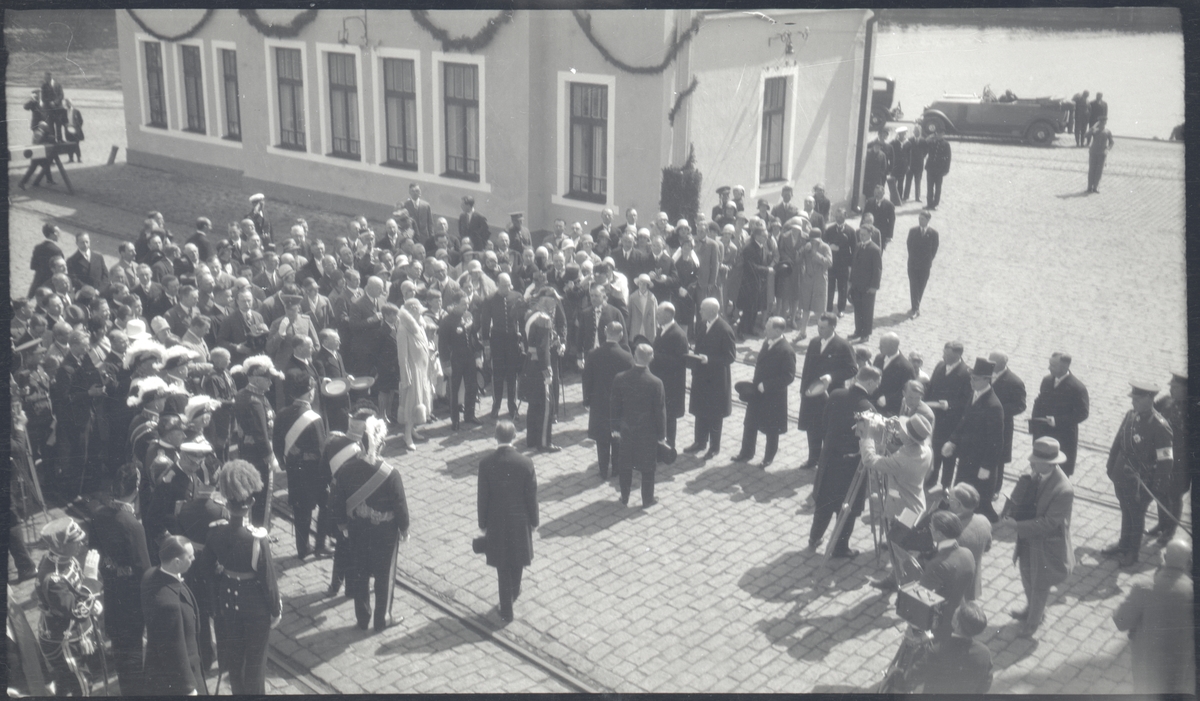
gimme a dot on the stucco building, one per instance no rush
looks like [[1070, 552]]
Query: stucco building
[[531, 116]]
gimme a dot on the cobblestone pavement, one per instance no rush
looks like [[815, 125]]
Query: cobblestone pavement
[[710, 590]]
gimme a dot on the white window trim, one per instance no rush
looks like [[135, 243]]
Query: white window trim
[[144, 97], [269, 46], [218, 83], [180, 93], [377, 89], [439, 147], [563, 147], [323, 97], [789, 141]]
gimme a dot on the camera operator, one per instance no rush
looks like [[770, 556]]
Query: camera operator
[[949, 571], [958, 664], [904, 470]]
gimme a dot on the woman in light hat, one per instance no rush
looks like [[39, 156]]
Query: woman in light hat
[[642, 305]]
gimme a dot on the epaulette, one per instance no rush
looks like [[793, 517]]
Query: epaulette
[[218, 522], [257, 532]]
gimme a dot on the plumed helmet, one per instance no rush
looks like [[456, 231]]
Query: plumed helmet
[[142, 349], [260, 365], [145, 390]]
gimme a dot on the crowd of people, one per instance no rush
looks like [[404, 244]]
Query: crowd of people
[[182, 379]]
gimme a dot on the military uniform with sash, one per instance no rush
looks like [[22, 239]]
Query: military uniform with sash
[[537, 380], [369, 504], [236, 565], [339, 449], [1180, 480], [300, 438], [1143, 450], [256, 419], [175, 488]]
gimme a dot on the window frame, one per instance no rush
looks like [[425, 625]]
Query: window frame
[[221, 103], [439, 59], [590, 124], [774, 187], [385, 134], [771, 117], [379, 95], [465, 105], [298, 94], [560, 196], [182, 97], [148, 111], [349, 102]]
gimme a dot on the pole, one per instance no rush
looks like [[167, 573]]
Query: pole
[[112, 155], [63, 172], [844, 513]]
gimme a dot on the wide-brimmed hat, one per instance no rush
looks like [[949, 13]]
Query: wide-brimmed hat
[[1046, 451], [135, 330], [918, 428]]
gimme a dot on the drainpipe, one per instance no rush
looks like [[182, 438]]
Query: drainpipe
[[864, 111]]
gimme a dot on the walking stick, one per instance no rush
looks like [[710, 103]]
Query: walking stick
[[392, 581]]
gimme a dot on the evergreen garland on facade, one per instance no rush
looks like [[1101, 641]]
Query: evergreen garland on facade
[[585, 23], [463, 43], [679, 99], [178, 37], [279, 31]]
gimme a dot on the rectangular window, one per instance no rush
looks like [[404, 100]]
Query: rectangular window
[[233, 109], [400, 105], [193, 88], [343, 105], [154, 85], [289, 74], [462, 120], [771, 158], [589, 142]]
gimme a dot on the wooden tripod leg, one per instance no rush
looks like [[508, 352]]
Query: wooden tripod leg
[[63, 172], [844, 513]]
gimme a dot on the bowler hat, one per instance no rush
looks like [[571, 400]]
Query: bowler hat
[[983, 367], [666, 453], [746, 390], [1046, 451]]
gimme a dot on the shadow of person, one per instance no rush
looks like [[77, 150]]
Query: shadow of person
[[811, 638], [891, 319], [440, 635], [588, 520], [570, 484], [1072, 195], [746, 481], [467, 465]]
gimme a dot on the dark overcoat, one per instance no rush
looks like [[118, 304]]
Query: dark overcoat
[[837, 361], [712, 382], [775, 370], [508, 508], [638, 412], [602, 366], [172, 654], [839, 450], [670, 366], [979, 440]]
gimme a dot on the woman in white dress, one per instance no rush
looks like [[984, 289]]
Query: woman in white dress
[[413, 352]]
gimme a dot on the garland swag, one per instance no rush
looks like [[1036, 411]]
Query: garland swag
[[279, 31], [679, 99], [463, 43], [585, 23], [178, 37]]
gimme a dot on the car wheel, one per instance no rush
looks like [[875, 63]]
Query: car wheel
[[1040, 134], [933, 124]]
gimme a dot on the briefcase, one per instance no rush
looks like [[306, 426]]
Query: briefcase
[[918, 606], [479, 545]]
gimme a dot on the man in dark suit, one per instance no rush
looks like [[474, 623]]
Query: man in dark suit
[[201, 240], [958, 664], [1061, 405], [537, 378], [949, 394], [1082, 120], [472, 225], [76, 383], [900, 153], [172, 619], [840, 460], [1044, 551], [670, 364], [595, 318], [458, 347], [865, 275], [421, 213], [766, 410], [949, 571], [830, 360], [897, 370], [43, 253], [366, 317], [916, 164], [638, 417], [842, 239], [500, 325], [600, 367], [978, 441], [922, 248], [937, 165], [85, 266], [331, 366], [1010, 390], [508, 513], [712, 384], [243, 332], [884, 213], [603, 232]]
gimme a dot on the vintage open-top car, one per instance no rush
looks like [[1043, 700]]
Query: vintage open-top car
[[1037, 120]]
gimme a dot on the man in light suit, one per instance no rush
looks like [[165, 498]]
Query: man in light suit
[[1010, 390], [978, 441], [829, 359], [638, 416], [85, 266], [670, 364], [712, 383], [600, 368], [1044, 551], [421, 213], [897, 370], [766, 410], [1061, 405]]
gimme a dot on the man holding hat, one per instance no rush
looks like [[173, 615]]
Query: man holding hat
[[300, 438], [1173, 407], [767, 406], [256, 418], [518, 233], [1044, 551], [883, 212], [66, 593], [172, 622], [948, 394], [258, 215], [537, 380], [978, 441], [1141, 458]]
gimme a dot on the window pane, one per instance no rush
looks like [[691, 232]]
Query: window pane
[[233, 118], [589, 141], [192, 88]]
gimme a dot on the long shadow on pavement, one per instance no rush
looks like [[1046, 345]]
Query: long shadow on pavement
[[570, 484], [815, 642], [891, 319], [439, 635], [467, 465], [1070, 195], [746, 481], [589, 520]]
